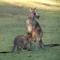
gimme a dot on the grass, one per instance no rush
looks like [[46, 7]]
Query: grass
[[13, 23]]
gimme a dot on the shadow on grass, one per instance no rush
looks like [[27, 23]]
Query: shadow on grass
[[45, 46], [4, 52], [51, 45]]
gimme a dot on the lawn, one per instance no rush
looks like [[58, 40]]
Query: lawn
[[12, 23]]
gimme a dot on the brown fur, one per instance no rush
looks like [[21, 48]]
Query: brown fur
[[36, 29], [22, 42], [37, 35]]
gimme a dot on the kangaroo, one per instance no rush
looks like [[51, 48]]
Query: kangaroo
[[22, 42]]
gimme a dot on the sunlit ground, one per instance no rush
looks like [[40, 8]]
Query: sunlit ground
[[42, 4]]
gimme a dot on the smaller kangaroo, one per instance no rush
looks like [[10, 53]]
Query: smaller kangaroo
[[22, 42]]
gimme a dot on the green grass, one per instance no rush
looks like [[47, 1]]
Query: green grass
[[14, 24]]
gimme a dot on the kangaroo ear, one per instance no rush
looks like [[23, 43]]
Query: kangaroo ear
[[32, 9]]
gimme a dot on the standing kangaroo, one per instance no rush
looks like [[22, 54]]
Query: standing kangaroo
[[34, 28]]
